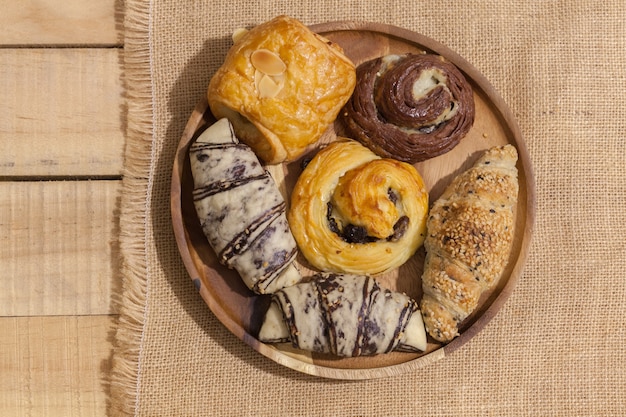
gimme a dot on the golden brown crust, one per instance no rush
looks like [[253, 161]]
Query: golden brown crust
[[281, 122], [439, 321], [470, 233], [475, 235], [453, 284], [353, 212]]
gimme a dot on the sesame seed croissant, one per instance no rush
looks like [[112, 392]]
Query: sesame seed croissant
[[469, 237]]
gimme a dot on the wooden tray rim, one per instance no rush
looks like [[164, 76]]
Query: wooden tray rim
[[358, 374]]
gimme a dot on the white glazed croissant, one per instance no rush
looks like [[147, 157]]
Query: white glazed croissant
[[241, 210], [346, 315], [470, 233]]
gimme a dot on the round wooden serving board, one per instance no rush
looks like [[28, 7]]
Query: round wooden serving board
[[241, 311]]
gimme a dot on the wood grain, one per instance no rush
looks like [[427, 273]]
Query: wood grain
[[61, 22], [55, 366], [62, 112], [61, 117], [59, 255]]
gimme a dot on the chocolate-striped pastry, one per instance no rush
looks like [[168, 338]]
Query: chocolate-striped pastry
[[409, 107], [470, 233], [346, 315], [241, 210], [354, 212]]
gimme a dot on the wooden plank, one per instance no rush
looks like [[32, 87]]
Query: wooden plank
[[61, 112], [55, 366], [59, 254], [61, 22]]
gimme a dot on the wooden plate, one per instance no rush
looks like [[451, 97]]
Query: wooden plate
[[241, 311]]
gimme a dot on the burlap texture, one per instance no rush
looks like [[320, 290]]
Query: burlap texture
[[557, 346]]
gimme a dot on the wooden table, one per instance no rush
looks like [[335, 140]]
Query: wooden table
[[62, 132]]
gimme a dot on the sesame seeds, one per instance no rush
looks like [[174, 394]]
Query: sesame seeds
[[470, 232], [474, 234]]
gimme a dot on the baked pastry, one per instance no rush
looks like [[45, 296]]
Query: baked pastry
[[409, 107], [241, 210], [345, 315], [354, 212], [470, 233], [281, 86]]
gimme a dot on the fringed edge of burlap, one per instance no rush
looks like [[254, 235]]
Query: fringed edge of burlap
[[125, 376]]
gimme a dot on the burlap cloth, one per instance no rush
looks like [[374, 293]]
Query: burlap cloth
[[558, 345]]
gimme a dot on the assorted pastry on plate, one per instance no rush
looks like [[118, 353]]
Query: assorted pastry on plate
[[359, 207]]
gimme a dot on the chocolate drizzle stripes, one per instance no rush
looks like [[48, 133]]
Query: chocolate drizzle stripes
[[221, 186], [321, 288], [266, 280], [241, 210], [409, 308], [346, 315], [286, 307], [205, 146], [290, 303], [369, 289], [240, 242]]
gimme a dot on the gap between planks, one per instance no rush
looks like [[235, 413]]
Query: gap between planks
[[63, 113]]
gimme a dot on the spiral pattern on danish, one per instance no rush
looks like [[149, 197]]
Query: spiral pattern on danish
[[354, 212], [409, 107]]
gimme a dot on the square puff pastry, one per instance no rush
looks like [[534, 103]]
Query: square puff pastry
[[281, 86]]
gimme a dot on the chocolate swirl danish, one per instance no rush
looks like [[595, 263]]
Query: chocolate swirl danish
[[409, 107]]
